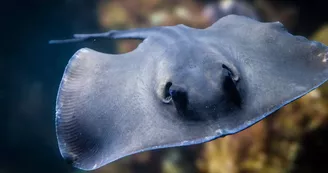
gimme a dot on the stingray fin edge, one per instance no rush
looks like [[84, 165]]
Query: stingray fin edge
[[73, 142]]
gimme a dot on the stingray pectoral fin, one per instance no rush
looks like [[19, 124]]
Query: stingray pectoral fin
[[75, 139], [278, 66], [88, 99]]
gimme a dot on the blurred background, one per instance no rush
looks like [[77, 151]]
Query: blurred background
[[293, 140]]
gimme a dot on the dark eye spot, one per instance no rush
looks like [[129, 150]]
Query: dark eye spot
[[172, 92], [180, 99], [231, 74], [231, 91], [167, 98]]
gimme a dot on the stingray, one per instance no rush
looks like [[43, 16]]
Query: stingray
[[180, 86]]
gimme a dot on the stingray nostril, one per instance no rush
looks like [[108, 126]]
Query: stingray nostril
[[167, 98]]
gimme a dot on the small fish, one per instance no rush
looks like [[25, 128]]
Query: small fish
[[181, 86]]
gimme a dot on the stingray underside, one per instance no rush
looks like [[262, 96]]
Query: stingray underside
[[106, 107]]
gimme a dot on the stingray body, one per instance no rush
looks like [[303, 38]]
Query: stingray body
[[180, 86]]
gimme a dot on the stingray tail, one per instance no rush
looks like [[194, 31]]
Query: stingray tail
[[138, 33]]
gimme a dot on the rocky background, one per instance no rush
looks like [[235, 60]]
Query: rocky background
[[292, 140]]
